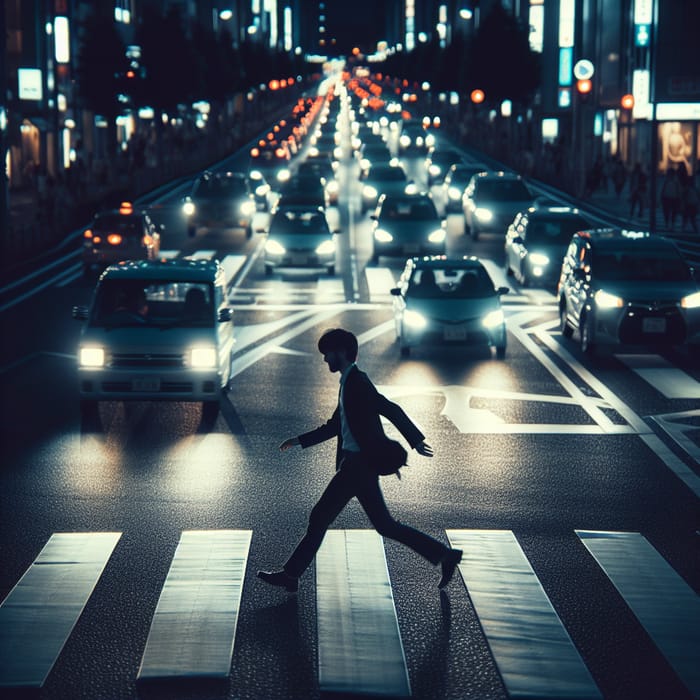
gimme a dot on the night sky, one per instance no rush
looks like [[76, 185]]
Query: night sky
[[356, 23]]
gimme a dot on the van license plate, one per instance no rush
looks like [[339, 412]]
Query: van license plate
[[654, 325], [146, 384]]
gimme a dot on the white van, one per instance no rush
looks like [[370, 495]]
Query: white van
[[156, 331]]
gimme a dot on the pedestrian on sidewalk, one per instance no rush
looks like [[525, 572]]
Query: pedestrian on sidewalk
[[357, 426], [671, 197], [619, 175], [690, 205], [638, 189]]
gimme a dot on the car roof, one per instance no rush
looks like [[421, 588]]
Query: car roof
[[184, 269], [465, 262], [622, 239], [554, 213], [497, 175]]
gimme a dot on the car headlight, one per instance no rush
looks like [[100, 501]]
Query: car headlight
[[692, 301], [365, 163], [92, 357], [454, 193], [275, 247], [383, 236], [283, 175], [262, 190], [188, 208], [437, 236], [404, 140], [493, 319], [203, 357], [605, 300], [430, 140], [434, 170], [248, 208], [326, 248], [333, 187], [484, 215], [538, 259], [414, 319], [369, 192]]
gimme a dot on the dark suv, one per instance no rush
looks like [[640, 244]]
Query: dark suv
[[621, 287], [220, 200]]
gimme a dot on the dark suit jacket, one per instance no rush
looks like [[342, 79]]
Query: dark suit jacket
[[363, 407]]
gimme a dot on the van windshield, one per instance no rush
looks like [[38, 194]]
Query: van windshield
[[165, 304]]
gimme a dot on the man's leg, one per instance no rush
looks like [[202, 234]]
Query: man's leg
[[339, 491]]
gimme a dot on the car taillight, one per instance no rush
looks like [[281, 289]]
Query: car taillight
[[88, 233], [114, 239], [97, 239], [147, 240]]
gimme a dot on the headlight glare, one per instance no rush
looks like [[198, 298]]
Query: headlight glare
[[605, 300], [484, 215], [493, 319], [437, 236], [414, 320], [92, 357], [326, 248], [369, 192], [248, 208], [188, 208], [692, 301], [274, 247], [383, 236], [203, 357], [538, 259]]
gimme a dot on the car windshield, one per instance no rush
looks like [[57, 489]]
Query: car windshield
[[555, 231], [406, 210], [301, 223], [164, 304], [387, 174], [127, 226], [640, 266], [503, 190], [221, 187], [450, 283]]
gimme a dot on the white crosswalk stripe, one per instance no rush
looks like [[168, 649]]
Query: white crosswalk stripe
[[193, 627], [668, 380]]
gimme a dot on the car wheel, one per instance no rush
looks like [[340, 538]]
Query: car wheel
[[474, 233], [268, 270], [587, 344], [405, 351], [249, 232], [500, 351], [191, 231], [508, 269], [331, 270], [564, 326]]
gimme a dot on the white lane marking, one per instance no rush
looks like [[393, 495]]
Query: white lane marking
[[670, 381], [359, 643], [38, 615], [232, 264], [194, 625], [677, 425], [201, 255], [662, 601], [532, 650], [168, 254]]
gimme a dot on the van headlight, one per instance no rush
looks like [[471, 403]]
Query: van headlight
[[454, 193], [203, 357], [326, 248], [414, 320], [692, 301], [493, 319], [605, 300], [369, 192], [92, 357], [484, 215], [383, 236], [188, 208], [437, 236]]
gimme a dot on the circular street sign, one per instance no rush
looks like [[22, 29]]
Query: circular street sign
[[583, 69]]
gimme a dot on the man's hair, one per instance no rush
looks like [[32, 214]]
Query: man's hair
[[338, 339]]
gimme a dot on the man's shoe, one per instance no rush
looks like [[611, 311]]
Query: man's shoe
[[281, 579], [448, 565]]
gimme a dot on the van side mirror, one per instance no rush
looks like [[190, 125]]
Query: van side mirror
[[225, 314]]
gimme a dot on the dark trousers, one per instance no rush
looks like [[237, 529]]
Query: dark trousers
[[355, 478]]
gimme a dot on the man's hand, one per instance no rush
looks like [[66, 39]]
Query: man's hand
[[289, 443], [423, 448]]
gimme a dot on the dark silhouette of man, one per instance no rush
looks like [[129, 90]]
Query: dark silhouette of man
[[357, 426]]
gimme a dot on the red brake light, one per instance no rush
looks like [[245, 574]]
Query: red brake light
[[88, 233], [114, 239]]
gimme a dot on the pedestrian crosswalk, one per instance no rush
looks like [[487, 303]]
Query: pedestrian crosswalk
[[360, 648]]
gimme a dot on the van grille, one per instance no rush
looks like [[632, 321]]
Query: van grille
[[148, 360]]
